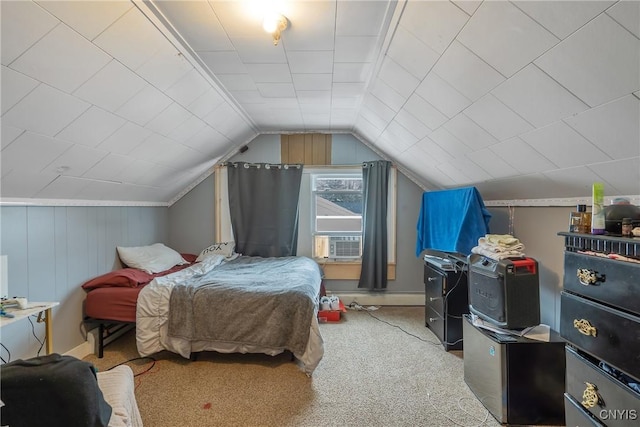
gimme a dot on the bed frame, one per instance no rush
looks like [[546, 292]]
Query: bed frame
[[107, 331]]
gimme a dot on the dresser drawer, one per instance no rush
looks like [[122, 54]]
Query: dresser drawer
[[612, 282], [434, 297], [614, 403], [576, 416], [433, 277], [435, 322], [609, 335]]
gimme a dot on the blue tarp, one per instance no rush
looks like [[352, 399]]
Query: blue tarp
[[452, 220]]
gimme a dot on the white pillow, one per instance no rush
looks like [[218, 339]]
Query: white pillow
[[152, 259], [225, 249]]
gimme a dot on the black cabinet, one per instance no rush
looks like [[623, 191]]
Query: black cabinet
[[521, 381], [600, 319], [446, 296]]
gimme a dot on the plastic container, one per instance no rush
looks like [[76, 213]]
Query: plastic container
[[597, 210], [331, 315]]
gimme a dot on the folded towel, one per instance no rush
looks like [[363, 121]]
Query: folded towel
[[499, 248], [501, 239], [496, 255]]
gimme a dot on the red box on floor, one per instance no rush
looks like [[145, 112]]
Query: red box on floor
[[331, 315]]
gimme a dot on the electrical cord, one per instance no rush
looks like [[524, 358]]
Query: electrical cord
[[33, 331], [458, 267], [153, 363], [486, 413], [355, 306], [454, 287], [8, 354]]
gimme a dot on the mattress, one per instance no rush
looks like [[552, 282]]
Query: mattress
[[116, 303], [113, 295]]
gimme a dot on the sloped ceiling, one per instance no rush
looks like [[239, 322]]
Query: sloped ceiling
[[136, 101]]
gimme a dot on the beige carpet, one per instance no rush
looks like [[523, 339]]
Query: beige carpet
[[372, 374]]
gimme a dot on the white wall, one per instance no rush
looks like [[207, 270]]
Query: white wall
[[537, 228], [191, 219], [51, 251]]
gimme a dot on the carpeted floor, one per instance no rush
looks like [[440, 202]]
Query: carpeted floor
[[372, 374]]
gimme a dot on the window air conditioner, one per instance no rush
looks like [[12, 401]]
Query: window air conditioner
[[344, 247]]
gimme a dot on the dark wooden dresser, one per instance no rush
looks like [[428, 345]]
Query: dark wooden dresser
[[600, 320], [446, 294]]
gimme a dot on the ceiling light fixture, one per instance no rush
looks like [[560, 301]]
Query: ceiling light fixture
[[274, 24]]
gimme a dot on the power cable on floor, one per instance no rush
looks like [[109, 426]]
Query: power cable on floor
[[357, 307], [153, 363], [486, 415]]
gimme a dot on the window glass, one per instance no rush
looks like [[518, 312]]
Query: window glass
[[337, 215]]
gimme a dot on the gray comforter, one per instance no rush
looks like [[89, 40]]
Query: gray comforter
[[262, 301]]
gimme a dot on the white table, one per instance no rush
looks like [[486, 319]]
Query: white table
[[43, 310]]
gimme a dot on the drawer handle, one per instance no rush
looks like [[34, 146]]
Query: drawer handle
[[431, 299], [588, 277], [590, 397], [431, 279], [584, 327]]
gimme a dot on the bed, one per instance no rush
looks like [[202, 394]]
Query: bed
[[245, 305], [111, 299], [259, 305]]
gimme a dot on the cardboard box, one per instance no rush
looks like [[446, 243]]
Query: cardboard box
[[325, 316]]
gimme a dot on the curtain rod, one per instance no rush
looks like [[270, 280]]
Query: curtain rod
[[259, 165], [371, 163], [297, 165]]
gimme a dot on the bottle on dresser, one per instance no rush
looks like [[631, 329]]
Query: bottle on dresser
[[580, 220], [597, 211]]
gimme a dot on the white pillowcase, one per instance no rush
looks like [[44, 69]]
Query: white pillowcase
[[226, 249], [152, 259]]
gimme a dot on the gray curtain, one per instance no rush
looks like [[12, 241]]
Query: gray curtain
[[263, 204], [375, 178]]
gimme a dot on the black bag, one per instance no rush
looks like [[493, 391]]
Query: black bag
[[52, 390]]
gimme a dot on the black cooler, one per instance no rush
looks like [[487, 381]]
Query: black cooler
[[505, 292]]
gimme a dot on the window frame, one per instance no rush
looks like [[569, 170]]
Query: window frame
[[343, 174], [350, 269]]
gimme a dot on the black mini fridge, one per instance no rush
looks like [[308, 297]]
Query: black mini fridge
[[521, 381]]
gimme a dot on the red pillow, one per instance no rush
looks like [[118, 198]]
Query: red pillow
[[125, 277], [191, 258], [132, 277]]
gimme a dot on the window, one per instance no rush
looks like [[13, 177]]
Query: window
[[326, 186], [337, 215]]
